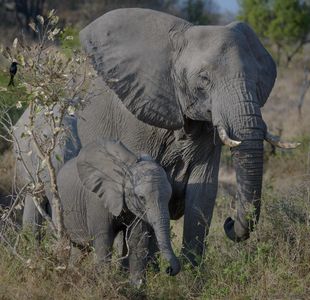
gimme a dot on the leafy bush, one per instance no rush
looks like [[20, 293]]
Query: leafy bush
[[284, 23]]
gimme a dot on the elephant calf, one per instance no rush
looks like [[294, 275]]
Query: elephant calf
[[107, 189]]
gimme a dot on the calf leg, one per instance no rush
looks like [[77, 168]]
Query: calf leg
[[31, 216], [138, 250], [99, 222]]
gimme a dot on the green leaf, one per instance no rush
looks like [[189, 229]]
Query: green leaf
[[58, 157]]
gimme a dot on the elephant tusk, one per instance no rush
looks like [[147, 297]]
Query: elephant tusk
[[275, 141], [226, 139]]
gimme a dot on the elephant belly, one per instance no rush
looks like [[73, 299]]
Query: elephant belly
[[177, 201], [176, 207], [178, 174]]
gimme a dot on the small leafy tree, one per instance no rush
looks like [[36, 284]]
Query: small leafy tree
[[290, 26], [283, 23], [257, 13], [194, 11], [55, 86], [201, 12]]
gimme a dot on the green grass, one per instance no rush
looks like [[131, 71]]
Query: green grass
[[274, 263]]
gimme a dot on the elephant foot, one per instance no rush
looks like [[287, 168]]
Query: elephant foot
[[190, 258], [137, 282], [78, 254]]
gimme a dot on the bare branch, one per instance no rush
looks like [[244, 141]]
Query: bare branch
[[12, 249], [16, 201]]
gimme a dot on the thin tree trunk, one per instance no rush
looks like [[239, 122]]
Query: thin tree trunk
[[278, 59], [56, 199], [290, 56], [303, 91]]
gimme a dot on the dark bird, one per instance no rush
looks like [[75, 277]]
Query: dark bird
[[13, 70]]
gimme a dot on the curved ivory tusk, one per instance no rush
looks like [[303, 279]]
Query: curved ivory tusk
[[275, 140], [226, 139]]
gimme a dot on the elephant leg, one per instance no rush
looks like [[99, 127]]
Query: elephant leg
[[121, 249], [32, 219], [100, 227], [199, 203], [138, 251], [78, 253], [197, 220], [153, 250], [103, 243]]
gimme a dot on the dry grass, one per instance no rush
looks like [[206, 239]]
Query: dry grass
[[273, 264], [7, 164], [281, 111]]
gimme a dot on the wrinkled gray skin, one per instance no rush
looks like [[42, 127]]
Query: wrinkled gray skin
[[165, 85], [107, 189], [170, 84], [66, 149]]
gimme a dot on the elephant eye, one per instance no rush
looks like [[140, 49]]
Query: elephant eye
[[204, 82], [141, 198], [205, 78]]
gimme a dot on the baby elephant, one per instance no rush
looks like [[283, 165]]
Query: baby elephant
[[107, 189]]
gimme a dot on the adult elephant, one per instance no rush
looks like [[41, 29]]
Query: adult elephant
[[171, 89], [174, 91]]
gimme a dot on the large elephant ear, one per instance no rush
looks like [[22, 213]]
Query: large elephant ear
[[267, 72], [102, 167], [130, 49]]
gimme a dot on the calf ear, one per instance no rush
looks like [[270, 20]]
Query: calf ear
[[101, 168], [131, 50]]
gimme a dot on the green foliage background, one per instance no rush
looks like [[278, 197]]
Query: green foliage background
[[284, 23]]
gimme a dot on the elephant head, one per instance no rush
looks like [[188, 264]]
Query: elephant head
[[126, 182], [165, 70], [151, 194]]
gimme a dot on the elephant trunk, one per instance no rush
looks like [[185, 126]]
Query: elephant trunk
[[161, 228], [249, 172], [243, 122]]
